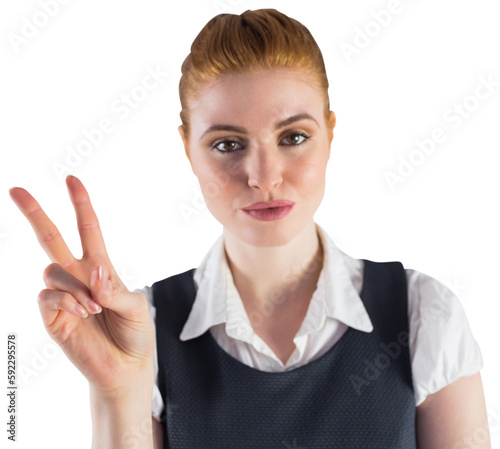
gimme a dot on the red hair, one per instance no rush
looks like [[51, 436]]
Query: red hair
[[263, 38]]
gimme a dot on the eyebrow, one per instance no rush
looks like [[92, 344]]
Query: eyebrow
[[283, 123]]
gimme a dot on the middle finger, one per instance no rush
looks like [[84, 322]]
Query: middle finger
[[88, 225]]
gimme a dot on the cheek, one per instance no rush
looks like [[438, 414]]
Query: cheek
[[309, 173], [217, 184]]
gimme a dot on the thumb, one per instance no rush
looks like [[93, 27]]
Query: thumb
[[114, 295]]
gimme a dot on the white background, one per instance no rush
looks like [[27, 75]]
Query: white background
[[442, 219]]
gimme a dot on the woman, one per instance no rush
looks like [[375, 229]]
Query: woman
[[277, 339]]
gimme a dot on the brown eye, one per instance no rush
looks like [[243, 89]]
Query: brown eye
[[226, 146], [295, 139]]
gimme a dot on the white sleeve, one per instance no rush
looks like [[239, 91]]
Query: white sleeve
[[158, 405], [442, 347]]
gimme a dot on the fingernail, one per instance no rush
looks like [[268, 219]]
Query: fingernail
[[103, 279], [81, 311], [94, 306]]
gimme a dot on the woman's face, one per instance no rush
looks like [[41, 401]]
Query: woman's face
[[260, 137]]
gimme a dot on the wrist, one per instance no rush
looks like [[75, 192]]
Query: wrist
[[136, 385], [138, 392], [122, 418]]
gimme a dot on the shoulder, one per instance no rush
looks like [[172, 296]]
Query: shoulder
[[429, 300], [433, 306], [442, 346]]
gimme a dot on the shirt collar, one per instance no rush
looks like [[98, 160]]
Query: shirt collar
[[209, 307], [341, 299], [217, 300]]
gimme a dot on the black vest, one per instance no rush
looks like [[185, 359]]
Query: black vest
[[357, 395]]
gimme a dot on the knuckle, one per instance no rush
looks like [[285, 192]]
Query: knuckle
[[68, 264], [141, 299], [141, 306], [88, 226], [67, 301], [43, 296], [66, 297], [115, 287], [50, 270], [100, 253], [49, 237]]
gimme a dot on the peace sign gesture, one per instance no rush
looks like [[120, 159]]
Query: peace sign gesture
[[103, 328]]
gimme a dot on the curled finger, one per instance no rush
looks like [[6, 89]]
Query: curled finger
[[53, 301], [58, 278]]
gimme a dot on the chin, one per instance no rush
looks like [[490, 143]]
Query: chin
[[269, 234], [266, 241]]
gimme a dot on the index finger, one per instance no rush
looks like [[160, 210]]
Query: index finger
[[46, 232], [88, 225]]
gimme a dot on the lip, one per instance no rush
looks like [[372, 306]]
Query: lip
[[268, 213], [268, 205]]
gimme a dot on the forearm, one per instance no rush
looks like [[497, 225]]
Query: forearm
[[123, 421]]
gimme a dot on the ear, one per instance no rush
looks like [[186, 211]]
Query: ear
[[184, 141], [332, 120]]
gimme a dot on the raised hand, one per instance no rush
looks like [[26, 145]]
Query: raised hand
[[102, 327]]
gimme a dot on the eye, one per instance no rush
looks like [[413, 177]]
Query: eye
[[295, 139], [226, 146]]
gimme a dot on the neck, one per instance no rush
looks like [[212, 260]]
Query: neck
[[275, 273]]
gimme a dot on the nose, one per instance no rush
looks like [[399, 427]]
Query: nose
[[264, 167]]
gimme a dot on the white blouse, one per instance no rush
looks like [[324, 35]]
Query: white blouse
[[442, 347]]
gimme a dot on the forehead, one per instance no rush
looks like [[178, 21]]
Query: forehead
[[255, 99]]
